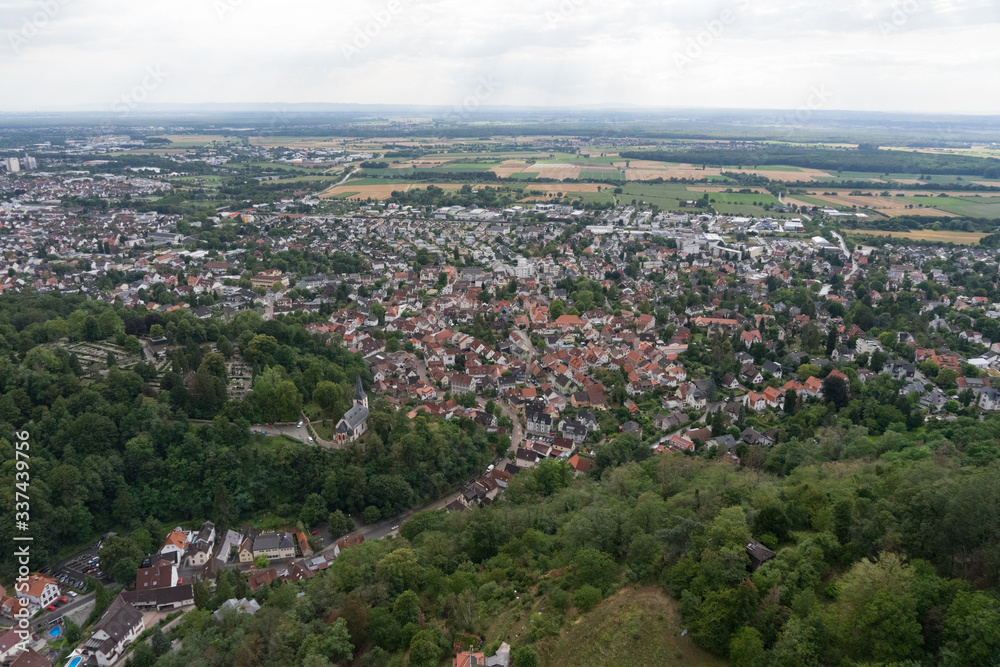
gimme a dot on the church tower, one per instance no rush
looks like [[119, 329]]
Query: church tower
[[360, 397]]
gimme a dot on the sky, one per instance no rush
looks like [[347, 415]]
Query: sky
[[927, 56]]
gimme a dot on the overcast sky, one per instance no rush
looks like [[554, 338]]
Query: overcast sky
[[921, 56]]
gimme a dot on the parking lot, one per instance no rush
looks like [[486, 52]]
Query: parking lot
[[73, 572]]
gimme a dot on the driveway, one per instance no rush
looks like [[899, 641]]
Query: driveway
[[292, 431]]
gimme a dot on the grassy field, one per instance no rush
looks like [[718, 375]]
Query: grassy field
[[960, 238], [636, 626], [973, 207]]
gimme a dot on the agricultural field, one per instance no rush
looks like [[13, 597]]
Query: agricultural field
[[978, 205], [197, 140], [942, 236], [383, 190]]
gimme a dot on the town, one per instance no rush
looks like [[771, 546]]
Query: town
[[574, 336]]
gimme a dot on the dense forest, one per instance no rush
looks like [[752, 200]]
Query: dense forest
[[888, 549], [112, 453]]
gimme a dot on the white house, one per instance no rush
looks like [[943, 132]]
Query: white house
[[118, 627]]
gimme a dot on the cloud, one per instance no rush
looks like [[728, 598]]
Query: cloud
[[914, 55]]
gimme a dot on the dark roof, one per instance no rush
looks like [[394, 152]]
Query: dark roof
[[359, 390], [118, 620], [759, 554], [160, 596], [30, 659], [353, 418]]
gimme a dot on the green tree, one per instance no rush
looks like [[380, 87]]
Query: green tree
[[586, 597], [143, 655], [288, 401], [327, 395], [424, 650], [202, 594], [746, 648], [523, 656], [406, 609], [371, 514], [972, 631], [124, 571], [260, 561], [337, 524], [159, 641], [595, 568], [314, 510], [116, 549]]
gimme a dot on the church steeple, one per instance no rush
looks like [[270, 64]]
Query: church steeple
[[359, 392]]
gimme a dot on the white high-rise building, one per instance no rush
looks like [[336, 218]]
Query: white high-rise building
[[12, 164], [30, 162]]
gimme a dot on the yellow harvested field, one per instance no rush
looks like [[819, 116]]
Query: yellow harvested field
[[644, 170], [380, 191], [968, 238], [557, 170], [507, 168], [887, 205], [798, 202]]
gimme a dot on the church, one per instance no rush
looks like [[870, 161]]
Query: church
[[354, 423]]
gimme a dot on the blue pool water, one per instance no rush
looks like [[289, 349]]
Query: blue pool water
[[75, 661], [56, 631]]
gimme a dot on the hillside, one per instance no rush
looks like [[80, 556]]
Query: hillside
[[639, 626]]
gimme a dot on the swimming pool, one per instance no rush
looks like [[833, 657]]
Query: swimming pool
[[75, 661], [56, 631]]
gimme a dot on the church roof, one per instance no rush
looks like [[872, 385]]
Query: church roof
[[353, 418], [359, 389]]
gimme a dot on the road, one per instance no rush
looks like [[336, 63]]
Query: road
[[346, 177], [843, 248], [74, 603]]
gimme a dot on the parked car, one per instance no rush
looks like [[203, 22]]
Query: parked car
[[63, 600], [310, 440], [299, 425], [313, 532], [51, 608], [72, 594]]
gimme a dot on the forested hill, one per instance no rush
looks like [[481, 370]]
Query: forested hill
[[110, 451], [887, 553]]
